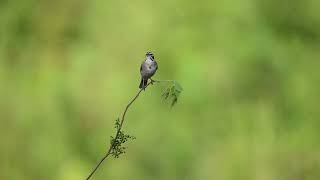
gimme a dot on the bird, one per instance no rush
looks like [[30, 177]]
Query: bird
[[147, 69]]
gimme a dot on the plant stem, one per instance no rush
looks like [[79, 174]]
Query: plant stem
[[120, 125], [159, 81], [118, 130]]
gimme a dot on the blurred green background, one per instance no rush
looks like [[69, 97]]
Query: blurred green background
[[249, 69]]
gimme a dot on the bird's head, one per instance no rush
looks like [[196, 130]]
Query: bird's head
[[150, 54]]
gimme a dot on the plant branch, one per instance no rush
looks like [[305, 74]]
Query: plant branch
[[115, 147], [118, 131], [159, 81]]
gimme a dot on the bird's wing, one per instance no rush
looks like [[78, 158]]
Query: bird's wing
[[141, 66]]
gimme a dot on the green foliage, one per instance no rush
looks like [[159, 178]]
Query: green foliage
[[172, 92], [117, 142]]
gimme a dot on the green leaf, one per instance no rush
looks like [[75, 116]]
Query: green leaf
[[117, 142], [173, 92]]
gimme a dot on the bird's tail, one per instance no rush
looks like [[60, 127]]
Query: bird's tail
[[143, 83]]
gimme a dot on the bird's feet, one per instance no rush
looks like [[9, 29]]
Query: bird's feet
[[152, 81]]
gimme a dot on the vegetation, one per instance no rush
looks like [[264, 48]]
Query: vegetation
[[116, 144]]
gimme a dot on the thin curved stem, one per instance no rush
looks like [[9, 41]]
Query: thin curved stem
[[118, 131], [159, 81]]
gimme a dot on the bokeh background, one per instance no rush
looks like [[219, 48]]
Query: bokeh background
[[249, 69]]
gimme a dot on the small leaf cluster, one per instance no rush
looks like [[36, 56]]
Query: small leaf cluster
[[172, 92], [117, 142]]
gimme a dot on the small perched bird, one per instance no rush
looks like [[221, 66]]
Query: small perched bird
[[148, 68]]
